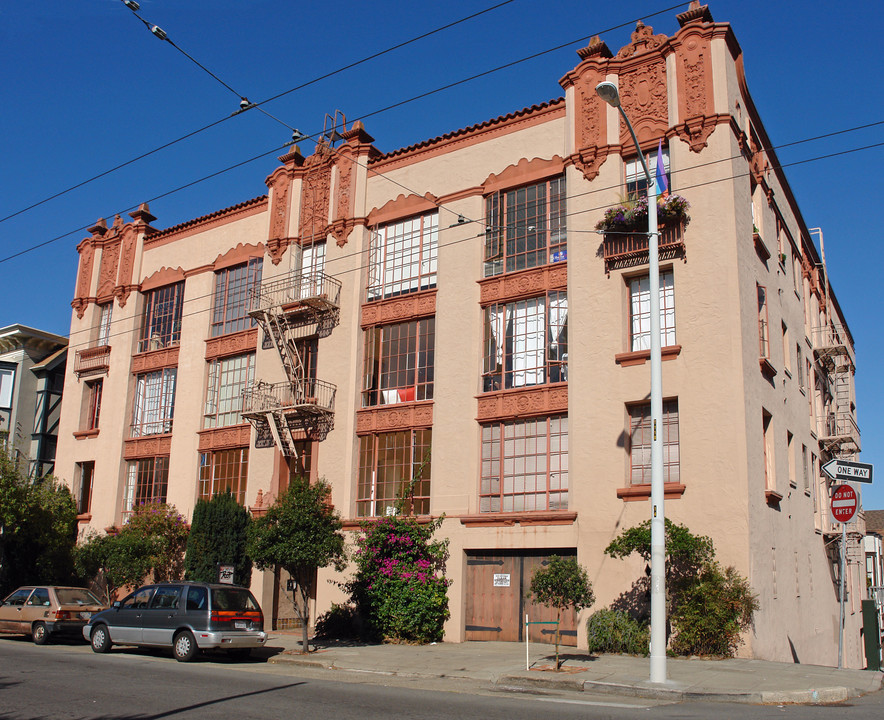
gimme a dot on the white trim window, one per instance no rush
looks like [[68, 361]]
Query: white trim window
[[403, 257], [636, 182], [7, 383], [228, 377], [640, 311], [104, 323], [154, 402]]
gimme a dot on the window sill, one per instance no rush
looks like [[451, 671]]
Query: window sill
[[82, 434], [84, 517], [635, 493], [767, 369], [508, 519], [760, 247], [359, 523], [773, 498], [640, 357]]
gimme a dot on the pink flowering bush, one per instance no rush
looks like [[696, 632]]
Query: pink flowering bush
[[399, 588]]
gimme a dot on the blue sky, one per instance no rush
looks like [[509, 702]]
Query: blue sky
[[87, 87]]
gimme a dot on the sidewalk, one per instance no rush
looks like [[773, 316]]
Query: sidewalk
[[504, 665]]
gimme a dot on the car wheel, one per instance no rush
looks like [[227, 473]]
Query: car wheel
[[39, 634], [239, 653], [101, 641], [184, 647]]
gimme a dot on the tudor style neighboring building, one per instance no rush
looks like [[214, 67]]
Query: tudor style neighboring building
[[447, 313], [32, 369]]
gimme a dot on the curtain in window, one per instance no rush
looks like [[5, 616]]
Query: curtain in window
[[526, 333]]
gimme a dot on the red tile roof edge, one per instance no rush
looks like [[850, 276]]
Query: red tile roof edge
[[210, 216], [467, 130]]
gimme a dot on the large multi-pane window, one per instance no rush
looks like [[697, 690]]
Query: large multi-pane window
[[228, 377], [313, 258], [231, 306], [224, 471], [526, 342], [637, 182], [104, 323], [161, 319], [403, 257], [640, 437], [640, 311], [147, 480], [525, 227], [525, 465], [394, 465], [399, 362], [154, 402]]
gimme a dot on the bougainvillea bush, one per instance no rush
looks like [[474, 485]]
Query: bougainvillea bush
[[399, 588]]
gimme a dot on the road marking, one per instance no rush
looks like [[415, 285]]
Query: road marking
[[594, 703]]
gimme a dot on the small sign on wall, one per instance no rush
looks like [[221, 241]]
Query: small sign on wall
[[501, 579], [225, 574]]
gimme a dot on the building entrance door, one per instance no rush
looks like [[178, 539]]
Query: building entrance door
[[496, 602]]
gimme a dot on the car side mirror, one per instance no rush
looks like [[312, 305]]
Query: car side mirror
[[117, 604]]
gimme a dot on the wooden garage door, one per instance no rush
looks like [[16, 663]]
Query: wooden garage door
[[496, 604]]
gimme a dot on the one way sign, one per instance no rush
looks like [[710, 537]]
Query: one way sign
[[848, 470]]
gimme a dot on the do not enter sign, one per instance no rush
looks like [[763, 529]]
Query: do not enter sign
[[844, 503]]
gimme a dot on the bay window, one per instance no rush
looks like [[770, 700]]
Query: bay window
[[224, 471], [399, 362], [526, 342], [403, 257], [228, 377], [161, 318], [525, 227], [147, 480], [154, 402], [525, 465], [392, 465]]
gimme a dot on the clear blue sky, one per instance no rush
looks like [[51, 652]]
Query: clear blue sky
[[86, 87]]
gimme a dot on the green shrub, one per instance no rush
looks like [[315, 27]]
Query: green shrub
[[615, 631], [218, 535], [712, 613], [339, 623]]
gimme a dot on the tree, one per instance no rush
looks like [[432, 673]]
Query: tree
[[149, 547], [218, 535], [708, 606], [562, 584], [299, 533], [38, 529]]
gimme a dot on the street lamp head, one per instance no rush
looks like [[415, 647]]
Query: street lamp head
[[607, 91]]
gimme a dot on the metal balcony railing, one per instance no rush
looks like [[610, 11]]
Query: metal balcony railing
[[313, 289], [92, 360], [308, 397], [839, 427], [628, 249]]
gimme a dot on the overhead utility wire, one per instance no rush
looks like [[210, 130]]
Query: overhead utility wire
[[227, 117], [129, 3], [469, 238]]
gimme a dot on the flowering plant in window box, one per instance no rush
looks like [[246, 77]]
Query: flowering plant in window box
[[632, 215]]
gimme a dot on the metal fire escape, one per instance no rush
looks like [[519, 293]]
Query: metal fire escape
[[838, 431], [300, 306]]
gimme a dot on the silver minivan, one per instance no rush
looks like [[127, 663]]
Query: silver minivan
[[186, 616]]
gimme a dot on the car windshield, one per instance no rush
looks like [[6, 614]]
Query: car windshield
[[233, 599], [76, 596]]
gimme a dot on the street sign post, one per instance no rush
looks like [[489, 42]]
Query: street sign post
[[844, 505], [848, 470]]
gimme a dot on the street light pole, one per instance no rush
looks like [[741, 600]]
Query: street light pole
[[607, 91]]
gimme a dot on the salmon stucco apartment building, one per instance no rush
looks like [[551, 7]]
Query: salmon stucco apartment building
[[449, 312]]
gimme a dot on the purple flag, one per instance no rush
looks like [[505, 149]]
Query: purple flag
[[662, 184]]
